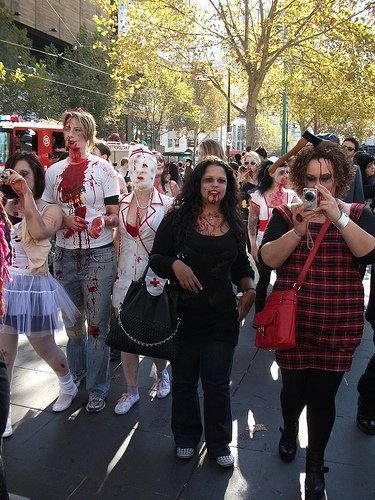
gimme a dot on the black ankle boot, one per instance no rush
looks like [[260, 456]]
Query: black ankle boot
[[365, 417], [288, 443], [315, 470], [314, 483]]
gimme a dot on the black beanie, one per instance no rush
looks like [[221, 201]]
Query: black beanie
[[362, 160]]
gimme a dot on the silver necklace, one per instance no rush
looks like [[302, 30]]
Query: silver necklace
[[139, 205]]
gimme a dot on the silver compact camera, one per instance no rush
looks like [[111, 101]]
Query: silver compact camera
[[4, 175], [310, 198]]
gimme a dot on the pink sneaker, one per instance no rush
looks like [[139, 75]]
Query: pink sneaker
[[125, 403]]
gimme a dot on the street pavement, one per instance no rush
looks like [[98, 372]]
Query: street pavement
[[80, 456]]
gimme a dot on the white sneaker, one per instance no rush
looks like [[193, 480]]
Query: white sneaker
[[185, 452], [64, 401], [225, 460], [125, 403], [163, 386], [8, 428]]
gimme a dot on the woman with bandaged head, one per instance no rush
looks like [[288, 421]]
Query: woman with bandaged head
[[141, 212]]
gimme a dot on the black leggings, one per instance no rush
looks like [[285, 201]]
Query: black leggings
[[262, 287], [317, 390]]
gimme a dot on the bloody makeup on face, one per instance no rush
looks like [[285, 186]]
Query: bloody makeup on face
[[281, 175], [75, 138], [320, 171], [213, 184], [142, 170]]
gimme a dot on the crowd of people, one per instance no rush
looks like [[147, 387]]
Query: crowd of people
[[195, 225]]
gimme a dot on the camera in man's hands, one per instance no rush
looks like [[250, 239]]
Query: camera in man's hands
[[310, 198], [4, 175]]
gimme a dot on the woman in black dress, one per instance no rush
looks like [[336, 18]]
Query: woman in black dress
[[201, 245]]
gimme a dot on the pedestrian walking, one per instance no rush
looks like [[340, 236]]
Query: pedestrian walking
[[272, 192], [330, 302], [140, 215], [163, 182], [33, 298], [86, 188], [201, 244]]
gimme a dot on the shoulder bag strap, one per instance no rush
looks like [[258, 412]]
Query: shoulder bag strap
[[142, 279], [311, 256]]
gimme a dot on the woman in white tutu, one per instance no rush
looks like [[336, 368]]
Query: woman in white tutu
[[33, 298]]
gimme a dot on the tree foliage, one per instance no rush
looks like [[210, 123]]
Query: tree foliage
[[145, 84], [303, 43], [45, 87], [84, 79], [22, 89]]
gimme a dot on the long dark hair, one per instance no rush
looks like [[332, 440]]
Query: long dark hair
[[174, 173], [264, 178], [188, 204], [37, 168]]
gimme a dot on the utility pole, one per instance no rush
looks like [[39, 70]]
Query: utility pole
[[229, 130], [284, 128]]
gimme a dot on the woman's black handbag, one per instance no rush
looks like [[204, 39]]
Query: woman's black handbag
[[146, 324]]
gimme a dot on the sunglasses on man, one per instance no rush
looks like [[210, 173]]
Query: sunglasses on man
[[349, 148]]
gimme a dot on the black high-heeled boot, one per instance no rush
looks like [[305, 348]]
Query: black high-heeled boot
[[288, 443], [314, 482], [366, 416]]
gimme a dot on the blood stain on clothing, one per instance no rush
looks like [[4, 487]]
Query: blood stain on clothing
[[71, 183], [276, 198], [71, 187], [94, 331]]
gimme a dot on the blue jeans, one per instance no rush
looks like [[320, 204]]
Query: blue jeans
[[212, 362], [87, 276]]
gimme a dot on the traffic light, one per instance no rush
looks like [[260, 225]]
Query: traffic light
[[190, 143]]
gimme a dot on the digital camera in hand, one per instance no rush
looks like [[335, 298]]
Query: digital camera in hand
[[310, 198], [4, 175], [7, 191]]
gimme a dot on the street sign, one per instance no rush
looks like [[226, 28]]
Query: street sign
[[229, 138]]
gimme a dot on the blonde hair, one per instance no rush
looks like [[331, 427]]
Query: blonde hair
[[254, 156], [87, 122], [209, 147]]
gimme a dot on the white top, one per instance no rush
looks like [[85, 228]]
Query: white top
[[80, 190], [19, 257], [265, 210], [134, 251]]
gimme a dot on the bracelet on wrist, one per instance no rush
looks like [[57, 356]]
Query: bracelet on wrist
[[250, 288], [342, 221], [295, 232]]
